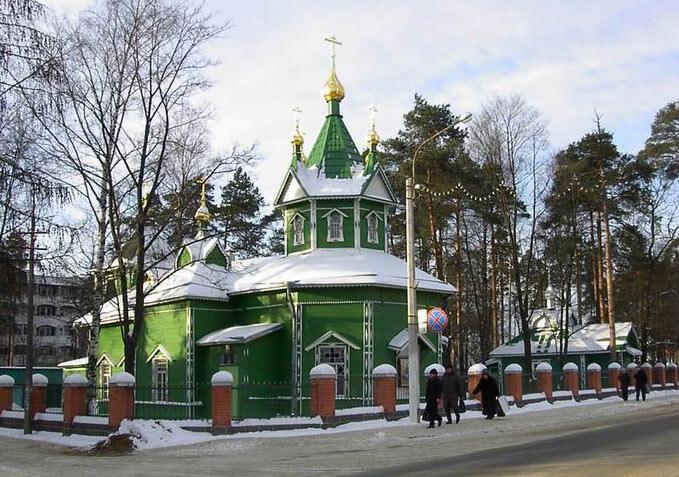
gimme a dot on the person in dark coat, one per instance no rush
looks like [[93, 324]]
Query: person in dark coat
[[489, 393], [433, 398], [624, 379], [452, 391], [641, 380]]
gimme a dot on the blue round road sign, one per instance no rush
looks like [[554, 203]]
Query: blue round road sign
[[437, 320]]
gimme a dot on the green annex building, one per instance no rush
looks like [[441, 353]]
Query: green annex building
[[336, 296], [587, 344]]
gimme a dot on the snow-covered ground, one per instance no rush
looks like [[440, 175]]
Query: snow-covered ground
[[162, 434]]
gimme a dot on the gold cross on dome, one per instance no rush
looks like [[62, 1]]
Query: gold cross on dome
[[203, 196], [298, 114], [334, 42], [373, 113]]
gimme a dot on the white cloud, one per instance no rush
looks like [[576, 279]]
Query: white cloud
[[566, 58]]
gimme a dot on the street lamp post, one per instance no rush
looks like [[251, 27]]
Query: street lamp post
[[413, 345]]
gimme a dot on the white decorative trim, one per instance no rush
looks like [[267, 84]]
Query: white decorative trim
[[181, 252], [159, 349], [312, 226], [294, 222], [328, 218], [106, 357], [335, 210], [357, 223], [386, 225], [368, 217], [331, 334]]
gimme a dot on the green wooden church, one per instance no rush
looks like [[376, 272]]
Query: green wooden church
[[336, 296]]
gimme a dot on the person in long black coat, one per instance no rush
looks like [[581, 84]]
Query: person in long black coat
[[489, 393], [433, 397], [641, 382], [624, 384], [452, 392]]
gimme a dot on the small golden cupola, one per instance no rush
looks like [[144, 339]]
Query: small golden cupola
[[333, 90], [202, 215]]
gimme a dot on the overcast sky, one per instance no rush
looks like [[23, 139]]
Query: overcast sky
[[566, 59]]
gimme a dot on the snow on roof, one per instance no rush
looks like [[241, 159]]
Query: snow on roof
[[399, 342], [239, 334], [330, 267], [592, 338], [315, 183], [74, 363]]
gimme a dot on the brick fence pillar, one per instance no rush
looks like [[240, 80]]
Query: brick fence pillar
[[75, 399], [571, 378], [473, 378], [648, 369], [659, 374], [632, 369], [594, 377], [120, 398], [38, 394], [614, 370], [222, 410], [384, 388], [6, 392], [672, 375], [514, 382], [545, 380], [323, 385]]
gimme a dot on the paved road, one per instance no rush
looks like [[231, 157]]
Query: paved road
[[647, 445], [639, 438]]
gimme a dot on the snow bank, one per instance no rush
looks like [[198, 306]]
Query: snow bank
[[157, 434], [74, 440], [278, 421], [359, 410], [48, 416]]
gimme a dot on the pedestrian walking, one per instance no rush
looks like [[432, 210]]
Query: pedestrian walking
[[641, 382], [625, 380], [452, 392], [489, 393], [433, 398]]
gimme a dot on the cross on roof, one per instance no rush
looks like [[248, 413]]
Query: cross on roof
[[334, 42]]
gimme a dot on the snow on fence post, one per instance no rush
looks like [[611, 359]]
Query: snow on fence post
[[648, 369], [659, 374], [222, 385], [672, 374], [514, 382], [120, 398], [594, 377], [384, 388], [473, 378], [323, 384], [545, 380], [571, 378], [6, 391], [38, 394], [614, 370], [75, 399]]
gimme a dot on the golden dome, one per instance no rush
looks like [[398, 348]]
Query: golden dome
[[373, 137], [297, 138], [333, 90]]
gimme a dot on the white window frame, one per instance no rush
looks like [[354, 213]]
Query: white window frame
[[345, 384], [160, 374], [105, 372], [373, 228], [298, 230], [339, 217]]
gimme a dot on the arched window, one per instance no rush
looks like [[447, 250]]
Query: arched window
[[298, 230], [159, 369], [373, 236]]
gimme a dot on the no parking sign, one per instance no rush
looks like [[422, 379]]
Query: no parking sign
[[437, 320]]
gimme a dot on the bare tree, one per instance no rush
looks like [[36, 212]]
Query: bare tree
[[511, 136]]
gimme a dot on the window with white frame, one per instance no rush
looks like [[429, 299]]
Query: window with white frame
[[335, 229], [160, 368], [336, 356], [298, 230], [373, 236], [104, 379]]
